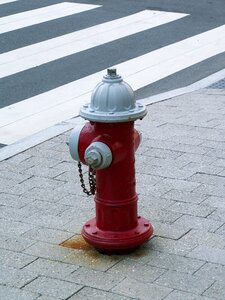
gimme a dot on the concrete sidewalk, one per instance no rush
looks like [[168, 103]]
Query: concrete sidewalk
[[181, 184]]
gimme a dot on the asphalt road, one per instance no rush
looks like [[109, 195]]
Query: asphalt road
[[198, 17], [203, 16]]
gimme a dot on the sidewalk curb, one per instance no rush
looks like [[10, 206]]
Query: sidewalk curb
[[46, 134], [38, 138]]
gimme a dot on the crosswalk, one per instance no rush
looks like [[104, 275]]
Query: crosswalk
[[45, 109], [40, 53]]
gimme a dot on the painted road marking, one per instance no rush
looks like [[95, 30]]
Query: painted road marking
[[6, 1], [34, 114], [40, 15], [35, 55]]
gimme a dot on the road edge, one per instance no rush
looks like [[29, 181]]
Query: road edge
[[48, 133]]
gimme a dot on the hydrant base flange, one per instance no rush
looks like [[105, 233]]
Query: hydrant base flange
[[117, 241]]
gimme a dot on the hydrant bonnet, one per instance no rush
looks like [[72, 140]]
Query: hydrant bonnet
[[113, 101]]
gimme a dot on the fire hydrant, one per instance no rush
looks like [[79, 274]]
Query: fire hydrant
[[107, 144]]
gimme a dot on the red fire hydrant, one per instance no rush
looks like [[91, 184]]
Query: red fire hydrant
[[107, 144]]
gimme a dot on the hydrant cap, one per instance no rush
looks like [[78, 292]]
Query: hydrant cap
[[113, 101]]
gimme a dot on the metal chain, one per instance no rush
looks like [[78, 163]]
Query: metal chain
[[91, 179]]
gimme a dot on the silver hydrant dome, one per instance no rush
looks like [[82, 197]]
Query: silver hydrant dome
[[113, 100]]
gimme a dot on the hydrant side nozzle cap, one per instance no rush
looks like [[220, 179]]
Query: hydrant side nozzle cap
[[98, 155], [113, 100], [73, 141]]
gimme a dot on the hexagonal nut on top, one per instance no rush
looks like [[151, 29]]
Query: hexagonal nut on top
[[113, 101]]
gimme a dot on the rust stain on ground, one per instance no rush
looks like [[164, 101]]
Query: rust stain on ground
[[87, 252], [77, 242]]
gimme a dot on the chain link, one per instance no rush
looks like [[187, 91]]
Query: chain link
[[91, 179]]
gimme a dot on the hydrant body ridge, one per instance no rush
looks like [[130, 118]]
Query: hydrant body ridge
[[109, 148]]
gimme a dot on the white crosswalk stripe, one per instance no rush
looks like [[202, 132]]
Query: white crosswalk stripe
[[46, 109], [41, 15], [7, 1]]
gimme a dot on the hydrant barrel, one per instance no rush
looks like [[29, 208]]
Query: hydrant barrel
[[116, 199]]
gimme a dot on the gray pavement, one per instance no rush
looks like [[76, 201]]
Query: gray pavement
[[181, 185]]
